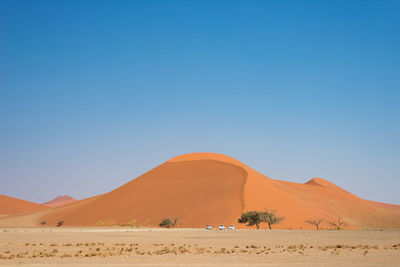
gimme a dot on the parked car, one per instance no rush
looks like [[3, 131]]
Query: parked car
[[208, 227], [231, 227], [221, 227]]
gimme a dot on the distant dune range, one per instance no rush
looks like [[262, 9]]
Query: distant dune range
[[209, 188]]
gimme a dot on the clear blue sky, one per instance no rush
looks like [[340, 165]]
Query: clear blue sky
[[95, 93]]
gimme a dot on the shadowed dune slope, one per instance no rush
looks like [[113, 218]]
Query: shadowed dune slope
[[10, 205], [60, 201], [209, 188]]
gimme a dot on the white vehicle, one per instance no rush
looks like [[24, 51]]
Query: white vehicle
[[208, 227], [231, 227], [221, 227]]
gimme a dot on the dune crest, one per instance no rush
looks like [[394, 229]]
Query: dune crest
[[324, 183]]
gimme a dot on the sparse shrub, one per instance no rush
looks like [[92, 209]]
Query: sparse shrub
[[60, 223], [131, 223], [99, 223], [106, 223], [43, 223]]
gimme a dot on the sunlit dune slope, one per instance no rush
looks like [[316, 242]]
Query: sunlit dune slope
[[199, 192], [10, 205], [209, 188]]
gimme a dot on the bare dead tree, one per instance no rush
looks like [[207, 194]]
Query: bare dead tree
[[269, 216], [316, 223], [338, 224], [175, 221]]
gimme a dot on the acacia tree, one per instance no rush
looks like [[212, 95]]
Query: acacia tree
[[314, 222], [269, 216], [175, 222], [169, 222], [338, 224], [251, 218], [166, 223]]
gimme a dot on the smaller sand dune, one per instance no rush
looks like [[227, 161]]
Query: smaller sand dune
[[11, 206], [60, 201], [324, 183]]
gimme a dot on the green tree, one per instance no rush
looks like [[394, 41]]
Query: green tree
[[60, 223], [251, 218], [269, 216], [166, 223]]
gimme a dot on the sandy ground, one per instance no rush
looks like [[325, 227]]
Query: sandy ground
[[160, 247]]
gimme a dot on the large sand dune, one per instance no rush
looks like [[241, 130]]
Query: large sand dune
[[208, 188], [10, 205]]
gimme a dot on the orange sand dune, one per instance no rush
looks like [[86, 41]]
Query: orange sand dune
[[209, 188], [10, 205], [59, 201]]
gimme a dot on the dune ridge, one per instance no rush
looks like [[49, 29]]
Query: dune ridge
[[210, 188]]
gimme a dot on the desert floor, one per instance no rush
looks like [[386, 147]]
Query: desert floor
[[158, 247]]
